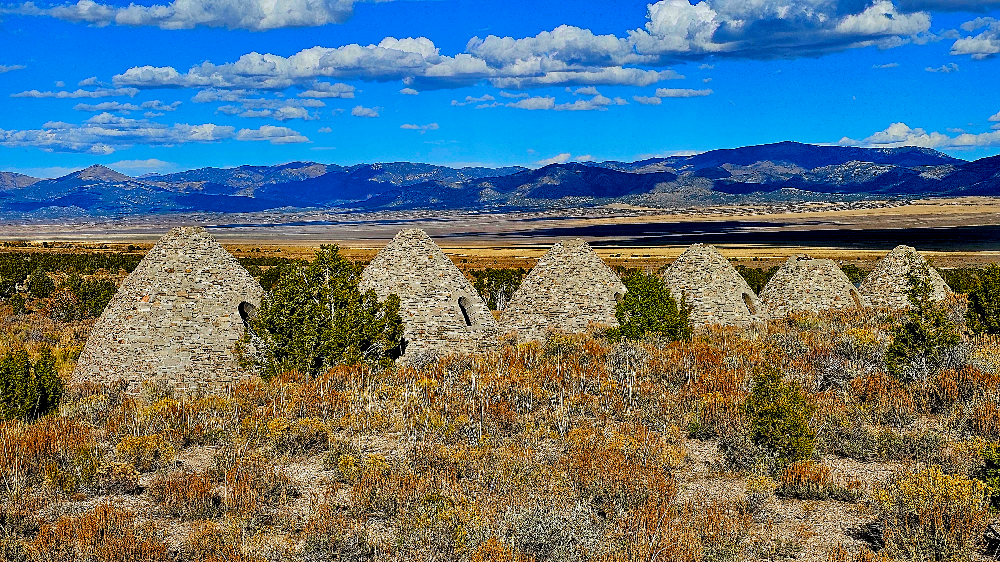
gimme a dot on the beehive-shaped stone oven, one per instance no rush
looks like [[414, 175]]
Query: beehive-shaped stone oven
[[886, 285], [807, 284], [716, 292], [441, 310], [175, 318], [568, 289]]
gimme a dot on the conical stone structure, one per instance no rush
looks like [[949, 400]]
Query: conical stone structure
[[442, 312], [806, 284], [568, 289], [886, 285], [711, 286], [175, 318]]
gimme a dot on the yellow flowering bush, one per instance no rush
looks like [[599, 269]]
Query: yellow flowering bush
[[930, 515]]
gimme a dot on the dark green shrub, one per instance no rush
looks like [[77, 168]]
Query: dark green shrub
[[28, 390], [920, 343], [854, 273], [270, 277], [648, 308], [777, 416], [963, 280], [16, 302], [989, 473], [315, 317], [94, 295], [8, 287], [496, 286], [756, 277], [40, 285], [984, 302]]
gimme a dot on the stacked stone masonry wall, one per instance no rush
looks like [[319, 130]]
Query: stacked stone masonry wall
[[803, 284], [569, 289], [174, 320], [886, 285], [442, 312], [711, 286]]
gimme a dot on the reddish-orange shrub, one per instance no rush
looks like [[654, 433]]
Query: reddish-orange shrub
[[107, 533], [208, 542], [808, 480], [185, 494], [883, 399], [254, 487], [619, 472], [27, 451]]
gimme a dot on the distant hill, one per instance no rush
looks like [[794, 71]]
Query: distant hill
[[785, 171]]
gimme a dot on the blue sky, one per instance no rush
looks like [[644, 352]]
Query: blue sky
[[163, 87]]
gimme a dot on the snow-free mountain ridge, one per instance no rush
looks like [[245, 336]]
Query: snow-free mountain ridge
[[785, 171]]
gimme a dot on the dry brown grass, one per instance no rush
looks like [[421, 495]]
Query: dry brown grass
[[572, 449]]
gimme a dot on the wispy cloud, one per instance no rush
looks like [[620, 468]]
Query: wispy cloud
[[422, 128], [887, 65], [946, 69], [648, 100], [470, 100], [409, 92], [105, 133], [139, 167], [255, 15], [99, 93], [112, 106], [8, 68], [681, 93], [328, 90]]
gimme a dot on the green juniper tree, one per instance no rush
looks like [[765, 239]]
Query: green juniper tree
[[778, 415], [28, 390], [40, 285], [984, 301], [648, 308], [315, 317], [920, 343]]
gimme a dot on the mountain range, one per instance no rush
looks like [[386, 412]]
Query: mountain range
[[785, 171]]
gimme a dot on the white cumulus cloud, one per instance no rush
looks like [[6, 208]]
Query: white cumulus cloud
[[983, 45], [409, 92], [104, 133], [534, 103], [470, 100], [557, 159], [362, 111], [328, 90], [271, 134], [648, 100], [900, 134]]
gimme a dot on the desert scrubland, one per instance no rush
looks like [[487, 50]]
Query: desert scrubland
[[793, 438]]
